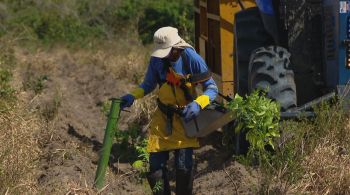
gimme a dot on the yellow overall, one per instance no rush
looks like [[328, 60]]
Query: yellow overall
[[158, 140]]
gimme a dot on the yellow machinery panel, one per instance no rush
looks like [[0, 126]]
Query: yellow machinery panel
[[214, 21]]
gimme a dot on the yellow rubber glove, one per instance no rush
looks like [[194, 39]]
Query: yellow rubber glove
[[203, 101], [138, 93]]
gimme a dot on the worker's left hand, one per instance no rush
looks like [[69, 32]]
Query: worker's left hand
[[191, 111]]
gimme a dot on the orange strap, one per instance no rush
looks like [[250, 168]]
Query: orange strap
[[173, 79]]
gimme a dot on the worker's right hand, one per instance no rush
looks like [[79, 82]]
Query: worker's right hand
[[127, 101]]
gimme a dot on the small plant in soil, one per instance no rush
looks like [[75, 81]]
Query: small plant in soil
[[157, 187], [105, 107], [34, 82], [258, 117], [143, 158], [49, 110], [6, 91], [131, 145]]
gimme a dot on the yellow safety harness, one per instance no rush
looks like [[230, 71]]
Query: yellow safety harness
[[185, 83]]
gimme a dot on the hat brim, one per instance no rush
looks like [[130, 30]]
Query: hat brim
[[161, 53]]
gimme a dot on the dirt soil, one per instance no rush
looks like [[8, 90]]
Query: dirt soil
[[71, 105]]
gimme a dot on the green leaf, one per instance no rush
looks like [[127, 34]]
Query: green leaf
[[274, 134], [239, 127], [138, 164], [259, 117], [271, 144]]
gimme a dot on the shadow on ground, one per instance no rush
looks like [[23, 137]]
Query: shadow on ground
[[121, 153]]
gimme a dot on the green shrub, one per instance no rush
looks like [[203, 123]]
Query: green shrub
[[149, 15], [68, 28], [81, 21], [51, 22], [166, 13], [258, 117], [130, 10], [6, 91], [143, 157], [130, 142], [35, 83], [7, 62]]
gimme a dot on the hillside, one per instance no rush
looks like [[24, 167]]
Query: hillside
[[59, 65]]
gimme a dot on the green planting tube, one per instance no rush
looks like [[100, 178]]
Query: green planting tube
[[107, 143]]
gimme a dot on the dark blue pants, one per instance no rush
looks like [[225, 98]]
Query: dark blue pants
[[183, 160]]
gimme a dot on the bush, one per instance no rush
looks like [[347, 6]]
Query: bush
[[166, 13], [7, 62], [6, 91], [35, 83], [149, 15], [69, 28], [131, 10], [53, 21], [52, 25], [80, 21], [258, 117]]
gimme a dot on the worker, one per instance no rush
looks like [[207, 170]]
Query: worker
[[177, 69]]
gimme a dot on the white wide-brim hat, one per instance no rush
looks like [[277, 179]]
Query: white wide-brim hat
[[164, 39]]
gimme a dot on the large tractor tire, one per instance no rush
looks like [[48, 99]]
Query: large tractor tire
[[269, 69], [249, 34]]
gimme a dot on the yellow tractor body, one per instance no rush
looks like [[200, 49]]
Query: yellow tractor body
[[214, 38]]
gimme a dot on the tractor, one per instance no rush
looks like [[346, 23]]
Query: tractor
[[297, 50]]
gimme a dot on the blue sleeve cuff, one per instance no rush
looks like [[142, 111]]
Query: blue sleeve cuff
[[210, 89]]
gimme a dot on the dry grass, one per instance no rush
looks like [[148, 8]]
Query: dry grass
[[327, 167], [313, 155], [124, 58], [326, 163], [327, 171], [19, 150], [23, 133], [121, 61], [145, 107], [19, 132]]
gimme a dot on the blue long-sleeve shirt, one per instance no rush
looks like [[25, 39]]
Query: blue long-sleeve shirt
[[156, 73]]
